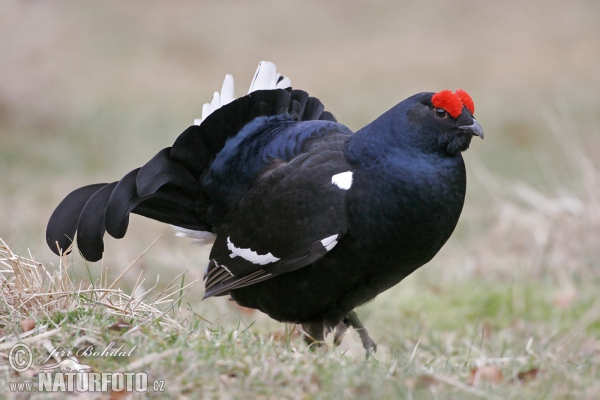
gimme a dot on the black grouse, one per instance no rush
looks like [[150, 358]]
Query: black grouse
[[309, 219]]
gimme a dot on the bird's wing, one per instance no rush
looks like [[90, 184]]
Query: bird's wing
[[290, 216]]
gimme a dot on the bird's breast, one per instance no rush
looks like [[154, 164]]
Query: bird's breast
[[406, 213]]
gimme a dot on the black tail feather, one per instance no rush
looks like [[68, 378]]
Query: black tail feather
[[172, 206], [169, 204], [299, 99], [123, 199], [63, 222], [162, 170], [90, 229], [190, 149], [313, 109], [327, 116]]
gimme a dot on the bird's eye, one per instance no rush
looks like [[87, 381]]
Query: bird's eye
[[440, 112]]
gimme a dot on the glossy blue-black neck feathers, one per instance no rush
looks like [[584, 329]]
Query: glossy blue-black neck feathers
[[405, 183]]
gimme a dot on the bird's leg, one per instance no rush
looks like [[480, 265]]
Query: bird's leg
[[368, 343], [314, 333], [340, 331]]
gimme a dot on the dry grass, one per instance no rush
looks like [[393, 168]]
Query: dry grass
[[30, 289]]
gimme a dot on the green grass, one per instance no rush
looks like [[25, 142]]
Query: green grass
[[88, 93]]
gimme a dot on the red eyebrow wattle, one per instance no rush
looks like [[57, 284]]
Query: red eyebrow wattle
[[467, 100], [453, 102]]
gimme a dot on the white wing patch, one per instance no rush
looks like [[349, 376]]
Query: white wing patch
[[329, 242], [342, 180], [265, 78], [250, 255]]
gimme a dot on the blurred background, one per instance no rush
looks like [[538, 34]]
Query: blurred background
[[91, 90]]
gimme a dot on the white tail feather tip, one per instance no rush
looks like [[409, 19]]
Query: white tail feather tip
[[227, 90], [198, 237], [265, 78]]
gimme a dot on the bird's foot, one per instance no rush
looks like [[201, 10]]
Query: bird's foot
[[315, 332], [340, 331], [352, 320]]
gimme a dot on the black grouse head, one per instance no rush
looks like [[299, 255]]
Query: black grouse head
[[440, 122]]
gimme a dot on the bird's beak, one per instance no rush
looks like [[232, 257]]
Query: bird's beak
[[474, 128]]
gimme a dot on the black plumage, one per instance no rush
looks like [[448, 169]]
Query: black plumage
[[311, 220]]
